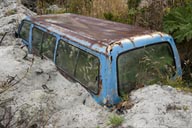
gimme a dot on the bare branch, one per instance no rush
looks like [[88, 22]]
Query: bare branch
[[3, 38]]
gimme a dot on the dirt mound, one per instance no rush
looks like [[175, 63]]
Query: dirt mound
[[34, 94]]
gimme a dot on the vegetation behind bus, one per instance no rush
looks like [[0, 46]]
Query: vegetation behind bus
[[157, 15]]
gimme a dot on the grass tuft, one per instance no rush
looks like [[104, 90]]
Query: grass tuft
[[11, 12], [115, 120]]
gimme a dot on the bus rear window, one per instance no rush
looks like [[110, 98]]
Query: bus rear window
[[144, 66]]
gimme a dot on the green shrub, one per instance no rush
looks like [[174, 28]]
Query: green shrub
[[108, 16], [115, 120], [178, 22]]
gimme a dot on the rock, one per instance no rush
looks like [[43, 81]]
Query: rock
[[157, 106], [19, 53], [146, 3], [39, 71], [54, 8], [30, 57], [11, 13]]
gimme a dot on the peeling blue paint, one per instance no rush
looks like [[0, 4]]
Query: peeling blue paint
[[107, 51]]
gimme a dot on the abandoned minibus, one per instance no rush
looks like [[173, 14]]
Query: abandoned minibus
[[109, 59]]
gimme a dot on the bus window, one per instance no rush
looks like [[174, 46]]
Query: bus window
[[79, 64], [87, 70], [48, 45], [43, 43], [24, 33], [66, 57], [37, 40]]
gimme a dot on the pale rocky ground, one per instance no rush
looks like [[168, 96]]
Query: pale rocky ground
[[67, 104]]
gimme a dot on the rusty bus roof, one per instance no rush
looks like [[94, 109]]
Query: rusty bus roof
[[93, 31]]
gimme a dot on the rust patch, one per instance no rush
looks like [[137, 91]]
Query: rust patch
[[119, 43], [88, 29], [109, 48], [160, 34]]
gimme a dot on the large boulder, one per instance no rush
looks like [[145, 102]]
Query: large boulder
[[11, 13]]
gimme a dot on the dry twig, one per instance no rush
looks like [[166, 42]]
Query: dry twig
[[3, 38]]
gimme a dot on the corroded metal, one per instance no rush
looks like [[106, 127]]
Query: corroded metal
[[87, 29], [104, 39]]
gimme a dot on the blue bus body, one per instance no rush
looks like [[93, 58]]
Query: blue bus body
[[118, 40]]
